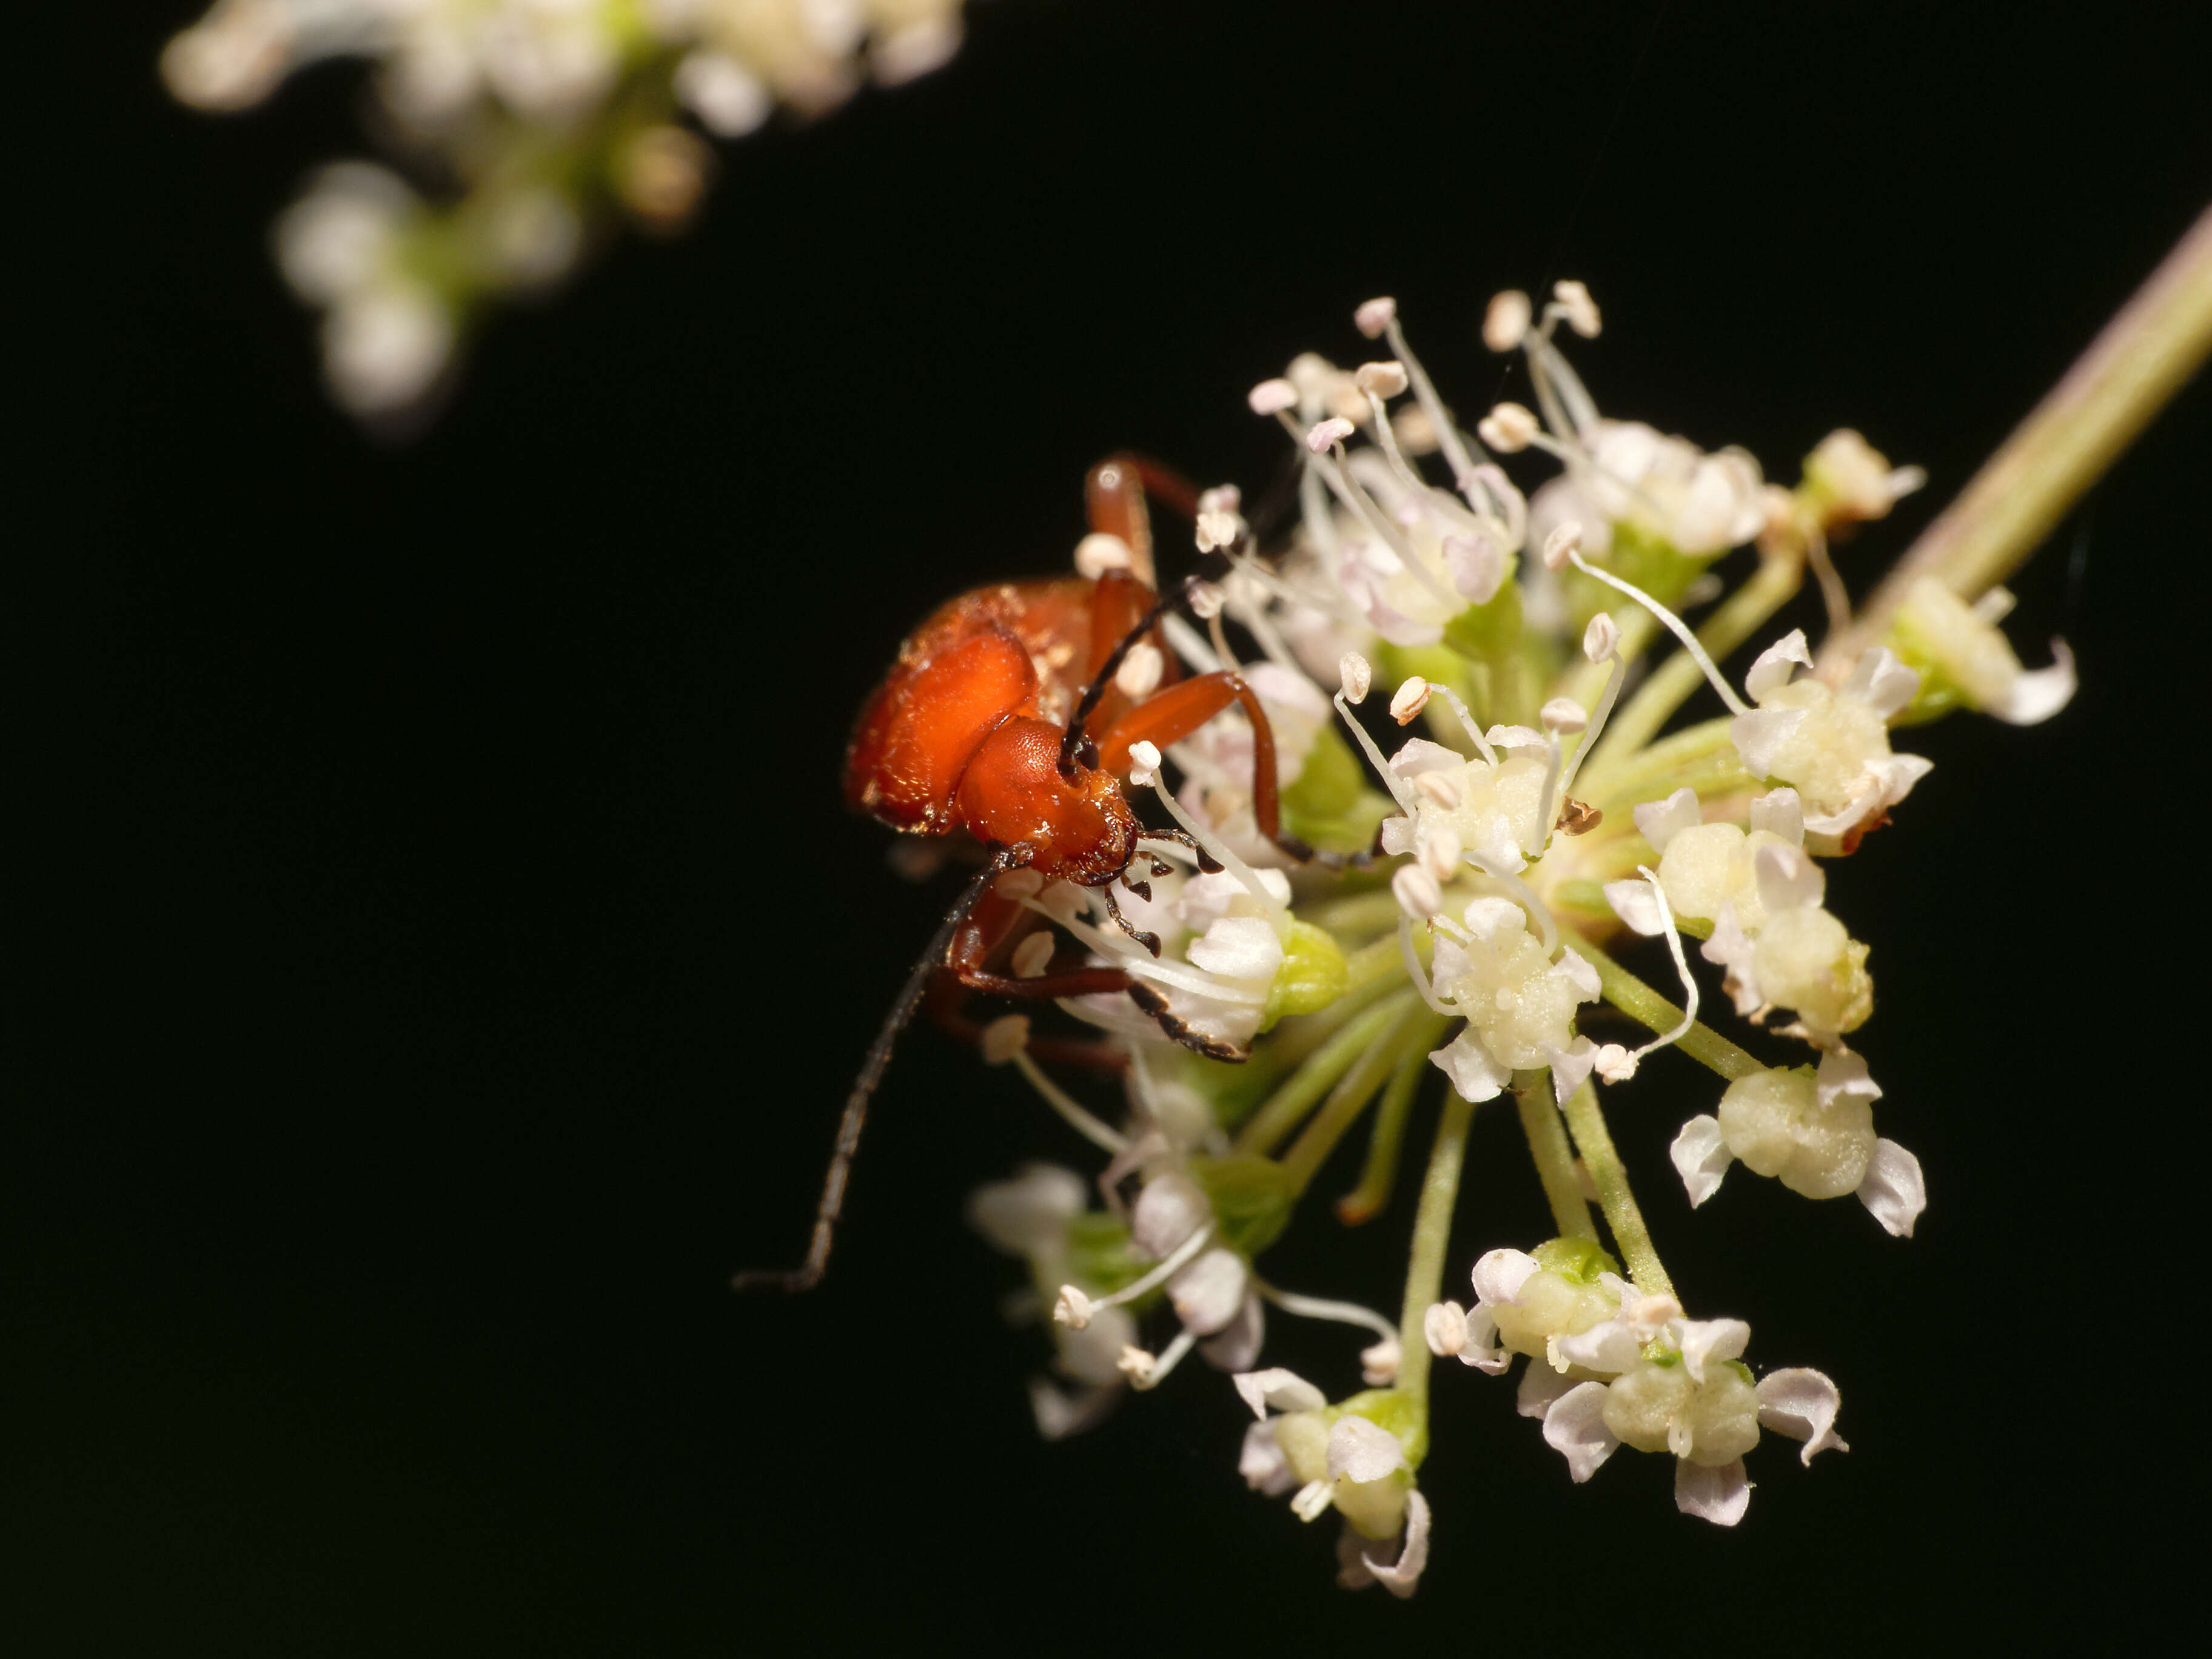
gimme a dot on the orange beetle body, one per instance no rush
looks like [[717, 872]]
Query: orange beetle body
[[966, 730]]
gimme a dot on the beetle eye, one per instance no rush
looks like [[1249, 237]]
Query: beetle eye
[[1088, 754]]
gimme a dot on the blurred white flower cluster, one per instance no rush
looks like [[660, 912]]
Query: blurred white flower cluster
[[543, 120], [1478, 873]]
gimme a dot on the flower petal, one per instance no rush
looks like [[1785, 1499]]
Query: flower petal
[[1474, 1075], [1701, 1157], [1720, 1496], [1802, 1403], [1575, 1426], [1633, 902], [1779, 812], [1611, 1347], [1261, 1462], [1759, 735], [1881, 682], [1661, 821], [1894, 1189], [1277, 1387], [2037, 696], [1788, 879], [1777, 663], [1402, 1576], [1499, 1274], [1361, 1449], [1705, 1341], [1844, 1073], [1540, 1387], [1238, 1343]]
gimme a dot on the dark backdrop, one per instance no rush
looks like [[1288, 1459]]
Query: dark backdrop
[[451, 949]]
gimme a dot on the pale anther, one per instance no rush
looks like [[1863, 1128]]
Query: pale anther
[[1384, 380], [1355, 674], [1006, 1036], [1272, 396], [1205, 601], [1444, 1325], [1144, 763], [1508, 428], [1438, 788], [1506, 321], [1564, 714], [1375, 315], [1072, 1308], [1216, 530], [1580, 310], [1565, 541], [1601, 638], [1325, 433], [1137, 1365], [1417, 892], [1412, 697], [1031, 957], [1139, 675], [1440, 852], [1098, 553]]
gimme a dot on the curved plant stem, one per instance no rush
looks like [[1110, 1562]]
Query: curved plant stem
[[1366, 1200], [1425, 1268], [1349, 1098], [1610, 1177], [2141, 359], [1554, 1158]]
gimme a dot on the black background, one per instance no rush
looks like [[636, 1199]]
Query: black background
[[449, 948]]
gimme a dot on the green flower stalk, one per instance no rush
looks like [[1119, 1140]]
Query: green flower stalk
[[1522, 809]]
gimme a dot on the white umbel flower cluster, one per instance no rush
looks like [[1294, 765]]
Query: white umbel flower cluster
[[552, 114], [1475, 881]]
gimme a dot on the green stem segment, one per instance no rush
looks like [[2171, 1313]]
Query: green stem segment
[[1646, 1006], [1555, 1159], [1610, 1177], [1282, 1110], [1365, 1201], [1349, 1098], [2142, 359], [1424, 1270]]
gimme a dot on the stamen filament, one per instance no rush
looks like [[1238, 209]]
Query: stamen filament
[[1075, 1116], [1681, 966], [1320, 1307], [1674, 625], [1173, 1263], [1279, 913], [1640, 1002]]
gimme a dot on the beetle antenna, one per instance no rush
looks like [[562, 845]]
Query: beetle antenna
[[808, 1273], [1088, 705]]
